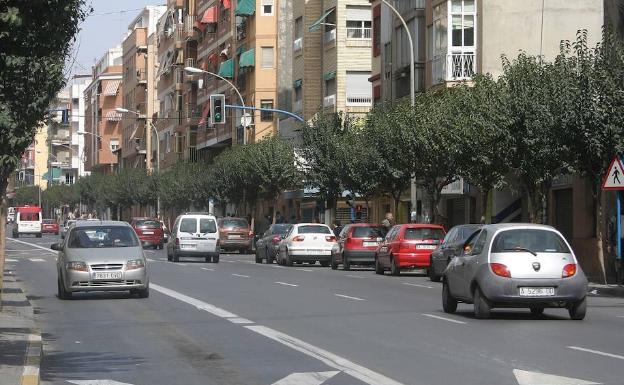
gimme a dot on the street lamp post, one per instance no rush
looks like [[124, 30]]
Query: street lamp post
[[193, 70]]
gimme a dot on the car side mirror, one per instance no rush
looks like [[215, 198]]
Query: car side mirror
[[55, 246]]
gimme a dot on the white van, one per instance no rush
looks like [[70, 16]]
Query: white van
[[194, 235], [27, 221]]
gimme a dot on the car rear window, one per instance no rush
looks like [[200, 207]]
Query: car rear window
[[48, 221], [149, 223], [188, 225], [536, 240], [280, 229], [207, 225], [367, 232], [424, 233], [231, 223], [465, 232], [312, 229], [29, 217], [102, 237]]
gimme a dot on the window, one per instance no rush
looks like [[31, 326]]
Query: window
[[440, 28], [313, 229], [359, 89], [102, 237], [358, 22], [188, 225], [267, 57], [266, 8], [114, 144], [479, 243], [299, 27], [529, 240], [207, 225], [330, 87], [367, 232], [423, 233], [266, 116], [462, 23]]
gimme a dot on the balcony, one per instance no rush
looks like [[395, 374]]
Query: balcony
[[180, 35], [298, 44], [189, 23], [178, 75], [452, 67], [141, 76], [359, 33], [141, 108], [359, 100], [329, 36], [60, 137], [241, 29], [329, 101]]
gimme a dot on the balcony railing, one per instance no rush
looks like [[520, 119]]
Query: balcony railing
[[180, 33], [358, 33], [329, 36], [298, 44], [241, 30], [189, 62], [359, 100], [329, 101], [61, 136], [454, 66], [189, 23]]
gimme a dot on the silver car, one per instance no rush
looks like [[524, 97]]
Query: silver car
[[101, 256], [516, 265]]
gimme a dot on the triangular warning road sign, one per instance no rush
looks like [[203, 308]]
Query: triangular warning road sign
[[614, 179]]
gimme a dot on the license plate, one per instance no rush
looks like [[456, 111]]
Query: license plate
[[235, 236], [148, 232], [369, 244], [317, 252], [187, 247], [537, 291], [426, 247], [107, 275]]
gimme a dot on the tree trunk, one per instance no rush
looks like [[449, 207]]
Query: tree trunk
[[4, 182], [484, 194], [397, 201], [275, 209], [535, 204], [599, 231], [367, 210]]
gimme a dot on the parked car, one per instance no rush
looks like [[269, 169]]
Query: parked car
[[235, 234], [408, 246], [452, 246], [50, 226], [68, 223], [357, 244], [267, 246], [516, 265], [194, 235], [27, 221], [102, 256], [150, 231], [307, 242]]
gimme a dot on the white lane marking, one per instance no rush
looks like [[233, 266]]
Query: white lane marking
[[97, 382], [349, 297], [46, 249], [10, 260], [149, 251], [308, 270], [34, 338], [620, 316], [240, 320], [313, 378], [194, 302], [286, 284], [417, 285], [30, 370], [354, 276], [205, 268], [339, 363], [230, 261], [596, 352], [238, 260], [444, 318], [36, 259], [151, 260], [240, 275], [278, 266], [525, 377]]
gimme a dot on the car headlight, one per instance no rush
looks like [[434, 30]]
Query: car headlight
[[76, 265], [135, 264]]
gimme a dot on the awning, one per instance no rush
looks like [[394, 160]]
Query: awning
[[248, 58], [111, 88], [245, 8], [297, 83], [329, 75], [56, 174], [227, 69], [317, 24], [210, 15], [227, 4], [240, 49], [113, 116], [204, 114]]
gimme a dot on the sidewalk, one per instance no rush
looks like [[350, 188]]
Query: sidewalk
[[20, 340], [596, 289]]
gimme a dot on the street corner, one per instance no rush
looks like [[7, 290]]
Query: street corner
[[20, 339]]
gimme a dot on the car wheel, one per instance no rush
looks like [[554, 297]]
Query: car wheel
[[346, 264], [537, 310], [56, 233], [39, 235], [578, 310], [325, 263], [289, 262], [62, 293], [433, 277], [176, 258], [258, 257], [334, 264], [394, 268], [481, 305], [378, 269], [449, 304], [209, 258], [143, 293], [215, 259]]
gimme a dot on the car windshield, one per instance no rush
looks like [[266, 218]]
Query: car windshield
[[280, 229], [102, 237], [48, 221], [532, 240], [424, 233], [150, 223], [313, 229], [230, 223], [367, 232]]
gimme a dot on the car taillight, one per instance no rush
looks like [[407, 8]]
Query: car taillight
[[349, 242], [330, 238], [277, 239], [298, 238], [568, 270], [500, 270]]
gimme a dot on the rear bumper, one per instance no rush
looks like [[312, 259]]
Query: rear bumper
[[235, 244], [308, 254], [50, 230], [361, 256], [407, 260], [151, 241]]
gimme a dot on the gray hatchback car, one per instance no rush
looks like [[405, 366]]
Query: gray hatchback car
[[516, 265], [101, 256]]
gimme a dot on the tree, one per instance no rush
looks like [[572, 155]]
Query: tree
[[27, 195]]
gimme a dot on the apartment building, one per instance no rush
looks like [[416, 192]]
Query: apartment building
[[139, 89], [63, 152], [33, 169], [103, 123]]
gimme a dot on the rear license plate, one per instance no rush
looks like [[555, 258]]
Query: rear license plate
[[107, 275], [188, 247], [426, 247], [318, 252], [148, 232], [369, 244], [235, 236], [537, 291]]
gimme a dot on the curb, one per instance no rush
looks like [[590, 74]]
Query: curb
[[34, 354], [606, 290]]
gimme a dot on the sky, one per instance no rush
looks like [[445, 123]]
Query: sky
[[103, 29]]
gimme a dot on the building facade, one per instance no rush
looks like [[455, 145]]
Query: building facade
[[63, 155]]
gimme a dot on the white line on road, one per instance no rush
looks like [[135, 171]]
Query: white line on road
[[354, 276], [596, 352], [349, 297], [443, 318], [36, 259], [240, 320], [240, 275], [194, 302], [230, 261], [286, 284], [313, 378], [308, 270], [33, 245], [238, 260], [205, 268], [359, 372], [417, 285], [10, 260], [278, 266]]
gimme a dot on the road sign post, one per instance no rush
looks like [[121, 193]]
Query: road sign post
[[614, 180]]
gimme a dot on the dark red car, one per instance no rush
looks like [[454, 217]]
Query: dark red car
[[50, 226], [150, 231], [408, 246], [357, 244]]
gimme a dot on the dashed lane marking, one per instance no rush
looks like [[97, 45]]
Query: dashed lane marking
[[417, 285], [205, 268], [444, 318], [286, 284], [241, 275], [36, 259], [354, 276], [239, 320], [598, 352], [10, 260], [349, 297], [308, 270]]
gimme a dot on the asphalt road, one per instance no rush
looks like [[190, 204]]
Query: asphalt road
[[240, 323]]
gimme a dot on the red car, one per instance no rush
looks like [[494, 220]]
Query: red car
[[408, 246], [357, 244], [50, 226], [150, 231]]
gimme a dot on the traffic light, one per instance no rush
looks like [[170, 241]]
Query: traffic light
[[21, 176], [217, 109]]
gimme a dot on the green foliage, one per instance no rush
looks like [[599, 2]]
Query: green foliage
[[60, 195], [184, 185], [27, 195]]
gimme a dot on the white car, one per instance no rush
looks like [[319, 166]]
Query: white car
[[194, 235], [307, 242]]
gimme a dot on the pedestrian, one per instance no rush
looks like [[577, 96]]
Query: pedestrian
[[388, 222], [337, 228], [279, 218]]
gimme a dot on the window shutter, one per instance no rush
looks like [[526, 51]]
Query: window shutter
[[267, 57], [358, 84], [361, 13]]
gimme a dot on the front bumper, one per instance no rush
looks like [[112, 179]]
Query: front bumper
[[81, 281]]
